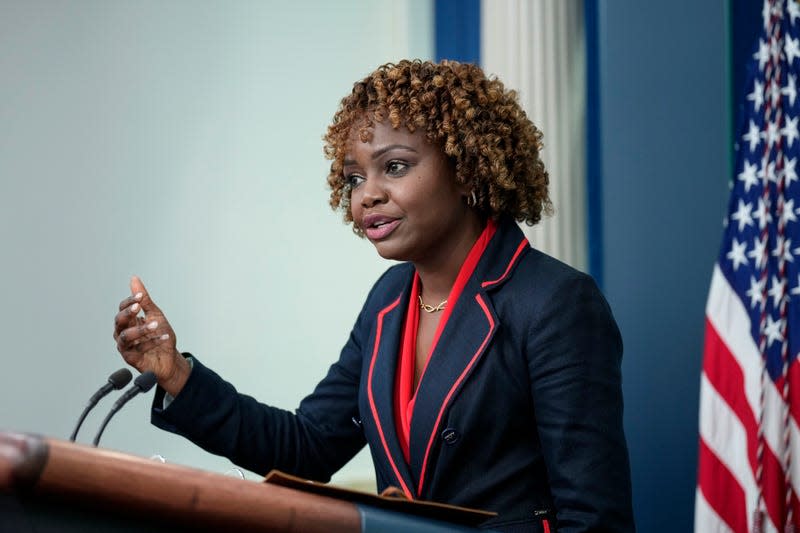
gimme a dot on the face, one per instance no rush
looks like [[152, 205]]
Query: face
[[404, 195]]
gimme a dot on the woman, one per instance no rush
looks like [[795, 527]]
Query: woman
[[480, 371]]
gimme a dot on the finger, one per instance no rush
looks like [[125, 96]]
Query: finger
[[130, 300], [147, 345], [127, 317], [142, 345], [147, 303], [140, 332]]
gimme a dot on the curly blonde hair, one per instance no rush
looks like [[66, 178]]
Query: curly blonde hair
[[478, 123]]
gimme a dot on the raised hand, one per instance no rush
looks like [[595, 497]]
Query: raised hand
[[146, 340]]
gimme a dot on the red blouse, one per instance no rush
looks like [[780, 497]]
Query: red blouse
[[405, 395]]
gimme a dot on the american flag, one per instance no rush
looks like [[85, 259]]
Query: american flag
[[749, 452]]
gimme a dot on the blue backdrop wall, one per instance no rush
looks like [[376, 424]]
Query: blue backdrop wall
[[663, 83]]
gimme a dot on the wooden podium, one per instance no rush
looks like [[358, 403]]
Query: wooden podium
[[48, 485]]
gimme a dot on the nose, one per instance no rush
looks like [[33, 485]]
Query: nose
[[372, 192]]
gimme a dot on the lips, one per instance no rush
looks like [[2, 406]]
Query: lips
[[377, 227]]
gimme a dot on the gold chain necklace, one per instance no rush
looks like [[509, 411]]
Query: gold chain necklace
[[431, 308]]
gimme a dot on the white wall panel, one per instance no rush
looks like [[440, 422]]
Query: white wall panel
[[537, 48]]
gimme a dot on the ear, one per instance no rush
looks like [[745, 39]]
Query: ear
[[465, 185]]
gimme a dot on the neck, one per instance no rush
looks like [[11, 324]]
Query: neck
[[437, 277]]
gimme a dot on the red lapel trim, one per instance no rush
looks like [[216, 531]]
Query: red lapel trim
[[408, 352], [372, 399], [446, 401], [522, 245], [404, 374]]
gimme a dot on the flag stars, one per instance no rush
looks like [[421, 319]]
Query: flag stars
[[748, 176], [790, 89], [773, 330], [743, 215], [787, 212], [753, 136], [763, 54], [789, 172], [791, 47], [774, 93], [777, 291], [771, 135], [757, 96], [759, 252], [766, 14], [793, 9], [790, 130], [762, 214], [768, 174], [771, 9], [756, 292], [782, 249], [796, 290], [737, 254], [775, 49]]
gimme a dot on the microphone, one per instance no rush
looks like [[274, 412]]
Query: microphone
[[143, 383], [116, 381]]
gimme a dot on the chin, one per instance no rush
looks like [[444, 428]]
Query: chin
[[387, 251]]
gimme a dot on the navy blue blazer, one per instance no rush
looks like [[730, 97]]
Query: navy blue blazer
[[519, 410]]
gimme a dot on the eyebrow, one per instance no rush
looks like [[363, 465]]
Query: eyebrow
[[380, 151]]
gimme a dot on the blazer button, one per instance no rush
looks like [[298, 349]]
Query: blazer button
[[450, 436]]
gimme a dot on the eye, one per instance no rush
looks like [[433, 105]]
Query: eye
[[353, 180], [396, 168]]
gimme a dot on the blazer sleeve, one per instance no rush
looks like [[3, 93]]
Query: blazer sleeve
[[312, 442], [574, 357]]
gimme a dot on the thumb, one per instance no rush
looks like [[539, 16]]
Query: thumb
[[148, 306], [137, 285]]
